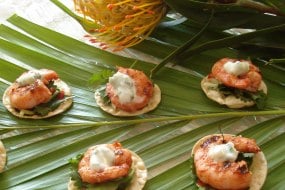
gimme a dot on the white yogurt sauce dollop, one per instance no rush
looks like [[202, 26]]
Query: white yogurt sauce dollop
[[124, 87], [102, 157], [236, 68], [223, 152], [29, 77]]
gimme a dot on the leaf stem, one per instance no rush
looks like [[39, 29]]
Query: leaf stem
[[148, 120], [276, 61], [181, 48], [259, 6], [87, 25], [228, 41]]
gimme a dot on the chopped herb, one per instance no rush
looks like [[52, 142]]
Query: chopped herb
[[75, 161], [54, 95], [74, 168], [103, 95], [231, 149], [258, 97], [193, 173], [51, 85], [45, 108], [124, 182], [101, 77]]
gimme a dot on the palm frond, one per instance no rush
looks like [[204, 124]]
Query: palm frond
[[37, 156]]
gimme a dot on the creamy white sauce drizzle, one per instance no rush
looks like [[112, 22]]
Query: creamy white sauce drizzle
[[236, 68], [29, 77], [124, 87], [223, 152], [101, 157]]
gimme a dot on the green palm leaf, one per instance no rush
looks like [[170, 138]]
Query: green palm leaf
[[37, 156]]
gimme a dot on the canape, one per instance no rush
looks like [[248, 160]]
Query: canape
[[107, 166], [37, 94], [225, 161], [235, 83], [129, 92], [3, 156]]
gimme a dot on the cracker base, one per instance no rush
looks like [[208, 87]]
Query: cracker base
[[111, 109]]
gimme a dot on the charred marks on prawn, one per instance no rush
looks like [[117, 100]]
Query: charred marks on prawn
[[29, 96], [243, 168], [23, 89], [250, 145], [120, 166], [227, 164], [250, 80], [214, 164], [31, 89], [209, 141]]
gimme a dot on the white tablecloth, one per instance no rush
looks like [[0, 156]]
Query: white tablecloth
[[45, 13], [42, 12]]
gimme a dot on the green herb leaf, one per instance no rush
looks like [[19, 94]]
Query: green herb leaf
[[74, 168], [193, 172], [100, 77], [44, 109], [258, 97], [103, 94], [126, 180], [52, 85], [75, 161]]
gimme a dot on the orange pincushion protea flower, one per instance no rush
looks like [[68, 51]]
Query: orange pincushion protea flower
[[120, 24]]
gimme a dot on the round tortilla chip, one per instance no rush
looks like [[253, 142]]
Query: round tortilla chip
[[209, 86], [258, 166], [2, 156], [61, 108], [111, 109], [138, 181]]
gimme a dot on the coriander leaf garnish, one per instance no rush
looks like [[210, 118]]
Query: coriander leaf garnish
[[196, 185], [101, 77], [103, 94], [74, 168], [52, 85], [258, 97], [44, 108]]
